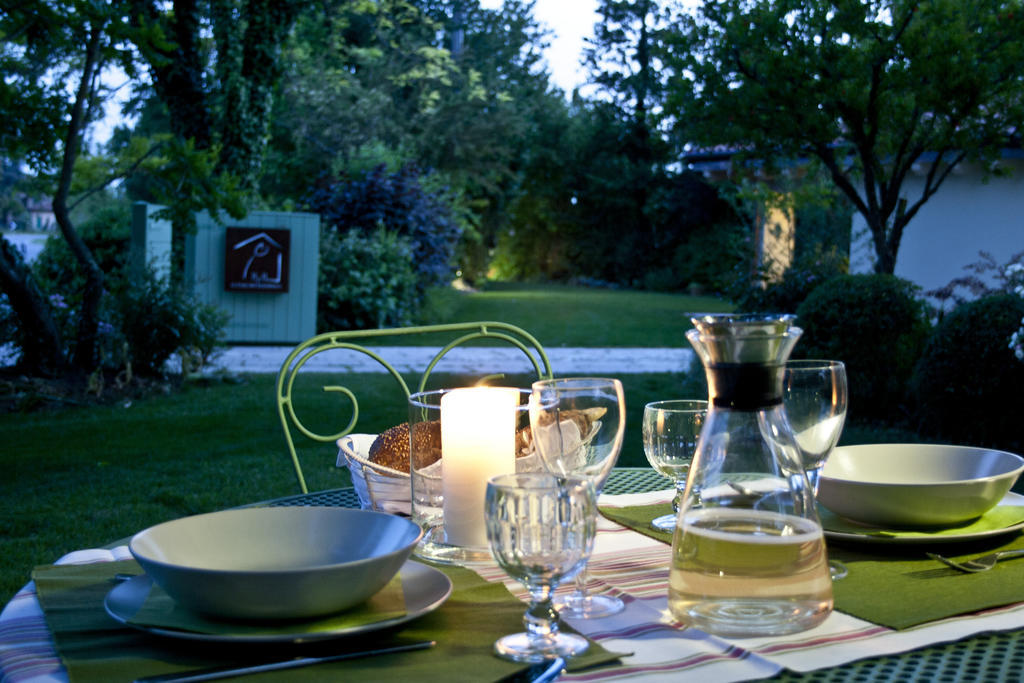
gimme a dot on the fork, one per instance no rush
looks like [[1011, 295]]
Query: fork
[[978, 564]]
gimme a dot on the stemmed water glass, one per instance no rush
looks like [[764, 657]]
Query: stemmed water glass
[[814, 396], [670, 433], [577, 425], [540, 528]]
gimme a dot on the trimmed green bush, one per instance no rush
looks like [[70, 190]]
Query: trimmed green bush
[[157, 319], [143, 319], [366, 280], [967, 385], [877, 326], [800, 279]]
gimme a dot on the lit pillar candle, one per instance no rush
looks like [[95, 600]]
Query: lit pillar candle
[[478, 441]]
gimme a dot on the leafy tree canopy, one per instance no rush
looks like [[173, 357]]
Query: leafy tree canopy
[[871, 88], [448, 86], [54, 56]]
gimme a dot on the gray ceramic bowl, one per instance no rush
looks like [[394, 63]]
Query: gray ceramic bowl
[[275, 563], [916, 485]]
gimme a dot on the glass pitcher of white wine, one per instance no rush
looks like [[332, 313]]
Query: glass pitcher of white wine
[[748, 552]]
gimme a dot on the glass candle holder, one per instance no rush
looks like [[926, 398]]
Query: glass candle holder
[[459, 439]]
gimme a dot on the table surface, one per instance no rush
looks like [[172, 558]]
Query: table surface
[[997, 656]]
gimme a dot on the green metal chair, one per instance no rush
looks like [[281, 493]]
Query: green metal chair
[[304, 352]]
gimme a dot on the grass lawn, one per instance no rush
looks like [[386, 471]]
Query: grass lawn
[[571, 316], [88, 476]]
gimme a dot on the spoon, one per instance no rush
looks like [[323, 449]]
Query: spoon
[[978, 564]]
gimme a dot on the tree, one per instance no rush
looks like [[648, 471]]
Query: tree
[[12, 200], [368, 77], [221, 98], [874, 89], [624, 60], [47, 48], [51, 49], [448, 86]]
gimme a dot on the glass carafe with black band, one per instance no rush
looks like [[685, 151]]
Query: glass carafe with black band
[[748, 552]]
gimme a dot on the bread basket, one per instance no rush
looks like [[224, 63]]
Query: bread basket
[[389, 490], [378, 487]]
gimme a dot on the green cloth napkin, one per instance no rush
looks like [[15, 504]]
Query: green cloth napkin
[[94, 647], [897, 585]]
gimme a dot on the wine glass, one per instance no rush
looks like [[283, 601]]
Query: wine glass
[[540, 528], [577, 425], [670, 432], [814, 396]]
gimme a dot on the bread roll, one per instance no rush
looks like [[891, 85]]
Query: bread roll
[[391, 448]]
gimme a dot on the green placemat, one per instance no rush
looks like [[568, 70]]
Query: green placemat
[[638, 518], [94, 647], [897, 585]]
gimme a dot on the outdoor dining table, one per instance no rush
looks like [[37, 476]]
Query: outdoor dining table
[[986, 644]]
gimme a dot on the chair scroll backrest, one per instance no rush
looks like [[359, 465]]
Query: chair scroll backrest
[[307, 350]]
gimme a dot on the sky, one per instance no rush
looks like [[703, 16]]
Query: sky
[[570, 21]]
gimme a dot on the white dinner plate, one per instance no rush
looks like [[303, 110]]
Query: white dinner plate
[[425, 589], [879, 535]]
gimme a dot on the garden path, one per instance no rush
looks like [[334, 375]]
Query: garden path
[[564, 360]]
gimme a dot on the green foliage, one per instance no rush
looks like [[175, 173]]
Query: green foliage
[[400, 201], [380, 83], [53, 57], [803, 277], [870, 89], [107, 233], [156, 319], [144, 320], [180, 176], [58, 273], [823, 218], [877, 326], [366, 280], [967, 383], [821, 239], [712, 258], [623, 217]]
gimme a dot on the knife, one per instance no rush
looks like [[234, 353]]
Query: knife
[[229, 671]]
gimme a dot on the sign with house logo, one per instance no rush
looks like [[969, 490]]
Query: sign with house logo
[[256, 260]]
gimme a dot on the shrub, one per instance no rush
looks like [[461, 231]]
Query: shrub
[[144, 320], [156, 319], [966, 386], [366, 280], [877, 326], [398, 202], [799, 280], [107, 233], [712, 256]]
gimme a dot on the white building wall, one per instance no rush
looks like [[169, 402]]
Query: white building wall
[[966, 216]]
